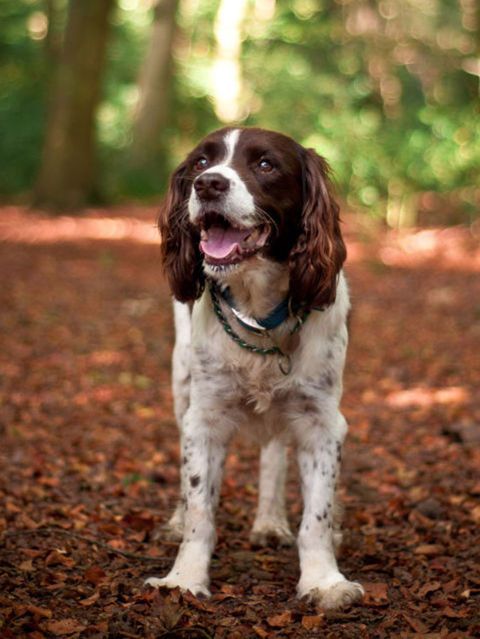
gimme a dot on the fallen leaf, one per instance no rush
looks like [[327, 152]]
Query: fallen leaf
[[430, 508], [46, 613], [57, 557], [95, 575], [429, 549], [90, 600], [118, 544], [475, 514], [140, 522], [64, 627], [26, 566], [416, 624], [455, 614], [475, 490], [427, 588], [281, 620], [376, 594], [309, 622], [30, 552]]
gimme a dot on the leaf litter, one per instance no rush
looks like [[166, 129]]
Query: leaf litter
[[89, 457]]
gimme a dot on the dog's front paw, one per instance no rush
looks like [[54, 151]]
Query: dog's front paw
[[329, 595], [200, 590], [271, 533]]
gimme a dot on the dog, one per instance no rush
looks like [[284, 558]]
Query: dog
[[253, 253]]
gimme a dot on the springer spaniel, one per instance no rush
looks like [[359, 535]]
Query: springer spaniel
[[251, 237]]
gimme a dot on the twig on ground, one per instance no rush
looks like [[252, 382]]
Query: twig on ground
[[174, 632]]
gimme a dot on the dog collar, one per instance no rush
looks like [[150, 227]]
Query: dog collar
[[284, 360], [277, 316]]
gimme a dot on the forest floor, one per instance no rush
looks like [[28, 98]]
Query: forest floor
[[89, 448]]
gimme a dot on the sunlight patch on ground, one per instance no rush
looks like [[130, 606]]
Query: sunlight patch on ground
[[456, 248], [17, 225], [426, 397]]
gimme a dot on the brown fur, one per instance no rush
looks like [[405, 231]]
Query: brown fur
[[319, 252], [181, 257]]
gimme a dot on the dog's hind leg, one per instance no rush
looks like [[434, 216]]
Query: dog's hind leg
[[271, 524]]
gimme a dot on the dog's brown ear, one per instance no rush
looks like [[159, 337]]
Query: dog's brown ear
[[181, 258], [319, 253]]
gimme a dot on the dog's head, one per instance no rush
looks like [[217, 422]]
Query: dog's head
[[244, 195]]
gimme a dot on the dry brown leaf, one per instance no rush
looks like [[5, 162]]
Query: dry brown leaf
[[26, 566], [46, 613], [429, 549], [95, 575], [64, 627], [416, 624], [90, 600], [281, 620], [118, 544], [430, 587], [376, 594], [475, 514], [309, 622], [455, 614], [140, 522], [58, 557]]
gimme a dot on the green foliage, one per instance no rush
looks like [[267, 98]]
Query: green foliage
[[22, 97], [127, 45], [191, 110], [386, 101], [386, 91]]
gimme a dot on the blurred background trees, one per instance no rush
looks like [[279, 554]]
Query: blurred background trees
[[66, 176], [99, 99]]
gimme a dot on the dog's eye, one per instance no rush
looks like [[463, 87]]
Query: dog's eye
[[200, 164], [265, 166]]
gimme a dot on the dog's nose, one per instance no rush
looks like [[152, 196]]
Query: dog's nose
[[210, 186]]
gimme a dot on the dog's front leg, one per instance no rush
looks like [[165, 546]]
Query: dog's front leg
[[319, 446], [203, 454], [181, 382]]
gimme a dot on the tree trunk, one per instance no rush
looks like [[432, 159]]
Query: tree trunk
[[53, 40], [67, 173], [153, 106]]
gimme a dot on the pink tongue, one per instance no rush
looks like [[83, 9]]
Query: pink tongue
[[221, 242]]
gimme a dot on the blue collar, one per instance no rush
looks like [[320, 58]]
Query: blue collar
[[276, 317]]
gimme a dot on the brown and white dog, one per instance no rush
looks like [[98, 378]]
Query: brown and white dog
[[251, 236]]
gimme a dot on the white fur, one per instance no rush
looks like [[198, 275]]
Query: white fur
[[271, 519], [231, 139], [239, 203]]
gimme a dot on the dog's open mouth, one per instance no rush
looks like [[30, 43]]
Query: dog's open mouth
[[224, 244]]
